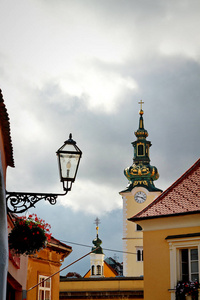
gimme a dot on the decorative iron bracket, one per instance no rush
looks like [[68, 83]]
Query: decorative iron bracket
[[20, 202]]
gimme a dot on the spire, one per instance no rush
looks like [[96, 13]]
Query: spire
[[141, 132], [141, 173]]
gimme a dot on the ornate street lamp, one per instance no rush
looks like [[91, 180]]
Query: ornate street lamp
[[69, 156]]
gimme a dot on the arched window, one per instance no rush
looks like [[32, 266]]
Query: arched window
[[98, 270], [92, 270], [139, 255], [141, 150]]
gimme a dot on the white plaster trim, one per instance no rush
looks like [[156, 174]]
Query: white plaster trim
[[124, 216], [181, 221], [124, 235]]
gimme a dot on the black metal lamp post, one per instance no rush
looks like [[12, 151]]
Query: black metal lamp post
[[69, 156]]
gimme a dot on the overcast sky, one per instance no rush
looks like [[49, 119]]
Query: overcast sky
[[82, 67]]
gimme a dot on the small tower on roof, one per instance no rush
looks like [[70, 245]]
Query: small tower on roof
[[97, 256]]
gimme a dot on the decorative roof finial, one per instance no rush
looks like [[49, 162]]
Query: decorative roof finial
[[141, 111], [97, 222]]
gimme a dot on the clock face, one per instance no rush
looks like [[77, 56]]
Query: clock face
[[140, 197]]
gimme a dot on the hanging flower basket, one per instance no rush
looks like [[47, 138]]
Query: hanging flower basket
[[29, 235]]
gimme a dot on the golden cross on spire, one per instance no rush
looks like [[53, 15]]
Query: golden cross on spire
[[141, 102]]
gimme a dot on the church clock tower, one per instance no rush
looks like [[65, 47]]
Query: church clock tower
[[140, 192]]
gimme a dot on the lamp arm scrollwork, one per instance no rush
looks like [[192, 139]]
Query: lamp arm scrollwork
[[19, 202]]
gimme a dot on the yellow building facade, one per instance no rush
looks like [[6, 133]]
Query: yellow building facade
[[101, 288], [171, 234]]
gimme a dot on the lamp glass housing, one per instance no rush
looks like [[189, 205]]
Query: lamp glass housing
[[69, 157]]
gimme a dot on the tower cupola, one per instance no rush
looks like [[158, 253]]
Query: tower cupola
[[141, 173], [97, 255]]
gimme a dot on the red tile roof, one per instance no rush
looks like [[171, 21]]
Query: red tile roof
[[182, 197], [5, 126], [57, 243]]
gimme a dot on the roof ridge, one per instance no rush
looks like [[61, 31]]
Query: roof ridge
[[59, 242]]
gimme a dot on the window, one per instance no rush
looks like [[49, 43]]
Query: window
[[93, 270], [44, 290], [140, 254], [184, 252], [138, 227], [141, 150], [189, 264], [98, 270]]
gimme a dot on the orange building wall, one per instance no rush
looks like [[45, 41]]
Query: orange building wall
[[43, 265]]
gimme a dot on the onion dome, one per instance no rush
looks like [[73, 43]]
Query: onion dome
[[97, 246], [97, 242]]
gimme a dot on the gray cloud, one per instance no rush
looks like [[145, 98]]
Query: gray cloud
[[83, 68]]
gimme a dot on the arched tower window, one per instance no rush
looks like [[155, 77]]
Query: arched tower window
[[139, 255], [98, 270], [140, 150], [92, 270]]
